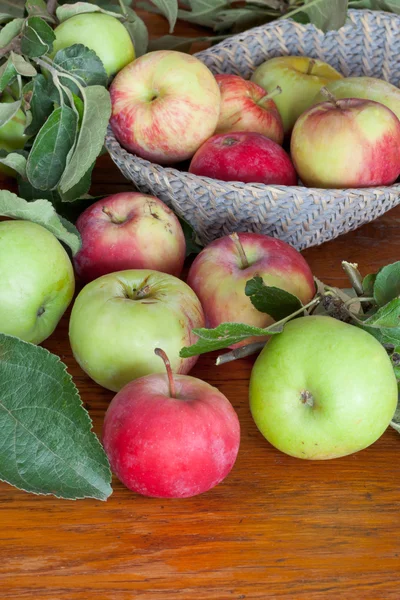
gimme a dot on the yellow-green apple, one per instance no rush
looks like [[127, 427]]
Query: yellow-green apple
[[12, 136], [299, 77], [244, 156], [36, 281], [100, 32], [368, 88], [322, 389], [245, 106], [170, 437], [129, 231], [164, 106], [347, 143], [119, 319], [219, 274]]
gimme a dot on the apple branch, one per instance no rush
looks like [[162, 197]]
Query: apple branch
[[172, 389]]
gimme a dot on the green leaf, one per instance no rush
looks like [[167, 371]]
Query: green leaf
[[97, 112], [137, 29], [324, 14], [80, 188], [388, 5], [38, 8], [8, 110], [386, 316], [14, 161], [223, 336], [41, 212], [203, 12], [70, 10], [41, 105], [6, 18], [368, 284], [7, 74], [12, 7], [82, 63], [37, 37], [273, 301], [22, 66], [172, 42], [387, 284], [48, 157], [168, 8], [10, 31], [47, 446], [192, 243]]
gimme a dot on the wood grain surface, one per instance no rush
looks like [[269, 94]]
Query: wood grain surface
[[277, 528]]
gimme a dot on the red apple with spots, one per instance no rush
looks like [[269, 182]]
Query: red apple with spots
[[244, 156], [219, 274], [170, 437], [165, 105], [129, 231], [245, 106], [346, 144]]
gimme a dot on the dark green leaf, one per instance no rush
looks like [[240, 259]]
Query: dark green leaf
[[192, 243], [82, 63], [37, 37], [41, 104], [7, 74], [22, 66], [12, 7], [27, 191], [14, 161], [203, 12], [41, 212], [273, 301], [387, 284], [79, 189], [48, 157], [97, 105], [38, 8], [368, 284], [168, 8], [324, 14], [47, 446], [137, 29], [8, 110], [10, 31]]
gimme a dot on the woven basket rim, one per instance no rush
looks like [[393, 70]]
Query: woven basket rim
[[239, 185]]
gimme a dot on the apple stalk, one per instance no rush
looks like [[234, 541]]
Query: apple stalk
[[172, 389], [235, 239], [270, 96]]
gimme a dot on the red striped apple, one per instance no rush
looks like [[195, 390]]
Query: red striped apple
[[245, 106], [219, 274], [165, 105], [172, 437], [244, 156], [346, 144], [129, 231]]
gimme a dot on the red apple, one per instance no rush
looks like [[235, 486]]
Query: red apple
[[245, 106], [170, 437], [243, 156], [347, 143], [219, 274], [129, 231], [165, 105]]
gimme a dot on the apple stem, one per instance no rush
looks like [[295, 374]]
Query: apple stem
[[329, 96], [310, 67], [164, 357], [235, 239], [143, 292], [239, 353], [270, 95], [113, 217]]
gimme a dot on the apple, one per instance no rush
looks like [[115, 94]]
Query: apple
[[218, 276], [299, 77], [117, 320], [170, 437], [12, 136], [347, 143], [100, 32], [164, 106], [245, 106], [243, 156], [367, 88], [36, 281], [322, 389], [129, 231]]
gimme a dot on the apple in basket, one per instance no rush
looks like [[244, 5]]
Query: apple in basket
[[368, 88], [245, 106], [165, 105], [299, 77], [244, 156], [347, 143], [219, 274]]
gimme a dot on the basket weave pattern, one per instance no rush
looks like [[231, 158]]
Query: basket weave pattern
[[368, 45]]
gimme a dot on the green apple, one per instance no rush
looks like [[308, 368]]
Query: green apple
[[322, 389], [366, 88], [119, 319], [12, 135], [36, 281], [299, 77], [102, 33]]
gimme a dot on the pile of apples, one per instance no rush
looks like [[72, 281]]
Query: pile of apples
[[339, 132]]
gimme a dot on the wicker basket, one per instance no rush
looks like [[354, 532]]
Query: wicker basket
[[369, 44]]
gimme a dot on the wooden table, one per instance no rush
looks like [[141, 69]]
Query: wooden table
[[276, 528]]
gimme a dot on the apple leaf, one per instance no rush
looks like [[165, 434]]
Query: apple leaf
[[37, 37], [83, 64], [10, 31], [8, 110], [7, 74], [168, 8], [97, 111], [40, 103], [387, 284], [47, 446], [70, 10], [368, 284], [386, 316], [324, 14], [43, 213], [15, 161], [22, 66], [273, 301], [137, 29], [38, 8], [388, 5], [192, 243]]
